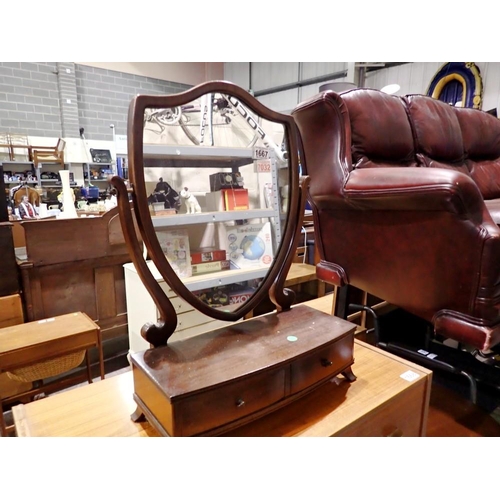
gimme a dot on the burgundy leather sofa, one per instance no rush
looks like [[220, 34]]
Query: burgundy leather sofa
[[405, 193]]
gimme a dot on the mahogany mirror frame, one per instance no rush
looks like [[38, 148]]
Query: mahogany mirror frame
[[272, 284]]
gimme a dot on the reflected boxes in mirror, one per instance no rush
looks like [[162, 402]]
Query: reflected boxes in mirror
[[227, 199], [175, 246], [248, 245], [201, 255], [227, 295], [235, 199], [210, 267], [225, 180]]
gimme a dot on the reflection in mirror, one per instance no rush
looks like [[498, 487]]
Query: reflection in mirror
[[217, 199], [215, 156]]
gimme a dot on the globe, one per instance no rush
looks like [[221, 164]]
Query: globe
[[253, 247]]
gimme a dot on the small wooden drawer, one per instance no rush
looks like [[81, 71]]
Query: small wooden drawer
[[191, 319], [206, 384], [230, 402], [166, 288], [180, 306], [321, 364]]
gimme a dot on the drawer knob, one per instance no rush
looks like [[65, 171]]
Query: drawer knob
[[326, 362], [239, 403]]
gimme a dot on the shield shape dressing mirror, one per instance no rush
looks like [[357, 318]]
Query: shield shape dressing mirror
[[217, 199]]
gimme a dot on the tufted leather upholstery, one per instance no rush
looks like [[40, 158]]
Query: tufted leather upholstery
[[405, 193]]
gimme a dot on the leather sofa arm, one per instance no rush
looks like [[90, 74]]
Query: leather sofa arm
[[413, 188]]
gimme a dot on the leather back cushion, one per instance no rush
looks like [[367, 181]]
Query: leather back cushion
[[437, 133], [380, 131], [481, 138]]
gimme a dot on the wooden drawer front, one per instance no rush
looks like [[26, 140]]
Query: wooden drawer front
[[401, 416], [211, 324], [228, 403], [191, 319], [320, 365], [180, 306], [166, 289]]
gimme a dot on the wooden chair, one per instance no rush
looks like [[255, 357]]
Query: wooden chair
[[40, 351], [20, 149], [5, 152], [48, 154], [11, 313], [301, 250]]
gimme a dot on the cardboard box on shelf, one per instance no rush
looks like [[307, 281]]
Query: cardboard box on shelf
[[241, 296], [235, 199], [214, 297], [175, 245], [210, 267], [233, 294], [227, 199], [215, 201], [201, 255], [248, 245]]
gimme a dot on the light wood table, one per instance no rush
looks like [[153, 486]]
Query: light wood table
[[99, 410], [30, 343], [389, 397], [300, 274]]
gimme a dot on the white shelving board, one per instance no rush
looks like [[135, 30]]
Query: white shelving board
[[206, 217], [196, 156], [210, 280]]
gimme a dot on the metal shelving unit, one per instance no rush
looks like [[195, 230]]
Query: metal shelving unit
[[165, 156]]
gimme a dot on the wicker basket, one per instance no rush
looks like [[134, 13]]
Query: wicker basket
[[48, 368]]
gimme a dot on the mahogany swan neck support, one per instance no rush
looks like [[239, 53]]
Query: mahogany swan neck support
[[158, 333], [282, 297]]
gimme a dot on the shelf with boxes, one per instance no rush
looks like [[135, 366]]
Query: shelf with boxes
[[101, 168], [98, 172], [235, 218], [43, 183], [16, 172]]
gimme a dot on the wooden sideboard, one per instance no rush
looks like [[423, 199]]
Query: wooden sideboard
[[76, 265], [9, 275]]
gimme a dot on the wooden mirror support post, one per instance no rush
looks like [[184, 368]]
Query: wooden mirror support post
[[223, 378]]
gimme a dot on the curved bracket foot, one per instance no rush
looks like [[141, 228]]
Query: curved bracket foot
[[138, 415], [349, 375]]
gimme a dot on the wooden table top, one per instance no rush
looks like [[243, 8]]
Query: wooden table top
[[36, 341], [300, 273], [100, 409], [45, 330]]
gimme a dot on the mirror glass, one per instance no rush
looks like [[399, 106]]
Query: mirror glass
[[216, 179]]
